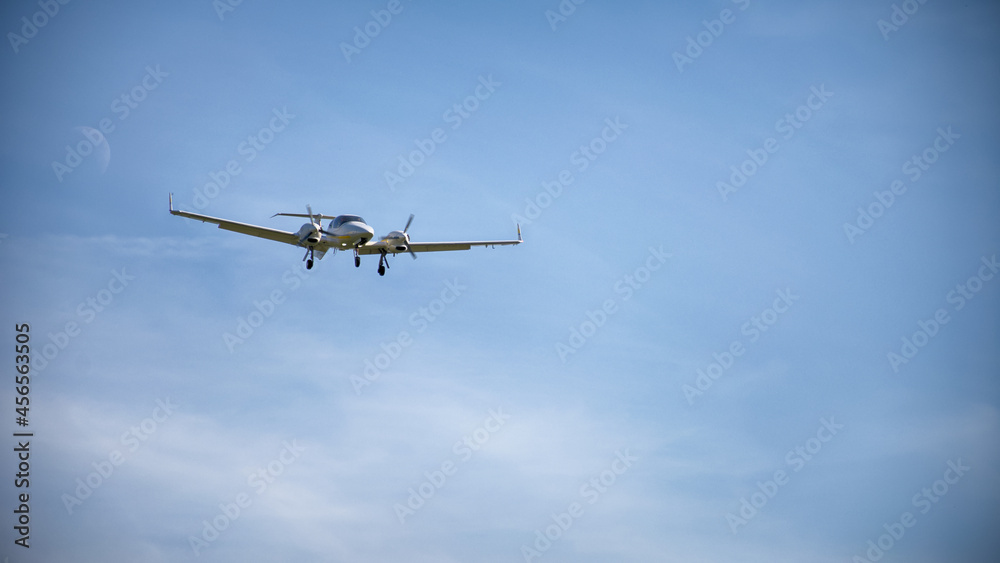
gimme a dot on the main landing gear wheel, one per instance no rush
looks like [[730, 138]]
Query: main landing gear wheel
[[382, 263]]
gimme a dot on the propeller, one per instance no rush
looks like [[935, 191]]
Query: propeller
[[316, 225], [317, 221], [406, 237]]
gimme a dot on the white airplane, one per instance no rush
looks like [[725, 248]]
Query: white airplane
[[344, 232]]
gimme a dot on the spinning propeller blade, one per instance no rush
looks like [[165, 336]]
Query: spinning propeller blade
[[407, 237]]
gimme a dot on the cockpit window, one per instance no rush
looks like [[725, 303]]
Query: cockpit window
[[341, 219]]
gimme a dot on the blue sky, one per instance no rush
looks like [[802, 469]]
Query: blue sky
[[672, 367]]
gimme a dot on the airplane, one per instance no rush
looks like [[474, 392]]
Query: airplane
[[344, 232]]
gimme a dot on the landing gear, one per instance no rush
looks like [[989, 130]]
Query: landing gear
[[357, 258], [309, 258], [382, 263]]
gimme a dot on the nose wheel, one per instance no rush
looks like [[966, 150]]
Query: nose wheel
[[309, 258], [357, 258]]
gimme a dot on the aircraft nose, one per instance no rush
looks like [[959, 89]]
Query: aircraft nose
[[364, 231]]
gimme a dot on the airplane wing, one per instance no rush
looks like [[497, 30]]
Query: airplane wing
[[440, 246], [245, 228], [379, 246]]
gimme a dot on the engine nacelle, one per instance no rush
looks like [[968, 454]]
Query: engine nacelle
[[308, 234], [397, 240]]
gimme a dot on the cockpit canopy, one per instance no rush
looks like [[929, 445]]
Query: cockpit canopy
[[341, 219]]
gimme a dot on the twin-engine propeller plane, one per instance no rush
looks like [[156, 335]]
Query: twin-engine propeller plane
[[344, 232]]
